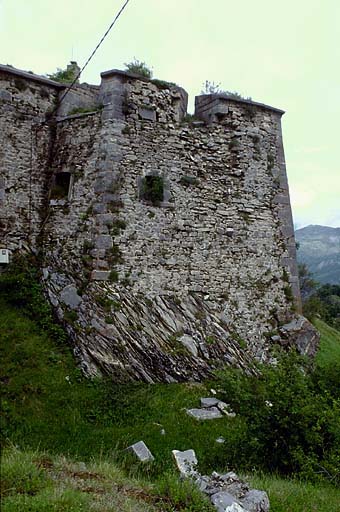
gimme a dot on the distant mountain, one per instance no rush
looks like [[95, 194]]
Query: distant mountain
[[319, 248]]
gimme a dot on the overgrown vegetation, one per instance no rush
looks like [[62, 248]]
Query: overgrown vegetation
[[64, 75], [289, 417], [152, 189], [209, 87], [286, 422], [324, 303], [139, 68]]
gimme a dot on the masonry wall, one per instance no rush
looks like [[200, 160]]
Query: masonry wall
[[165, 291], [24, 156], [169, 291]]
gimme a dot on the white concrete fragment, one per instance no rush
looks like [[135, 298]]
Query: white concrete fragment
[[141, 451], [209, 402], [205, 414], [220, 440], [186, 462], [225, 502]]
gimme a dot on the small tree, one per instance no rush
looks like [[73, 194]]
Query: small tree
[[139, 68]]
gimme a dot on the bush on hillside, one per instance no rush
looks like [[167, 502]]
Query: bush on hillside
[[324, 303], [20, 287], [290, 418]]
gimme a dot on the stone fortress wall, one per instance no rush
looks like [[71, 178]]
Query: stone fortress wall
[[164, 289]]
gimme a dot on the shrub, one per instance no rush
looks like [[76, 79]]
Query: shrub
[[20, 286], [113, 276], [139, 68], [152, 189], [65, 75], [290, 417]]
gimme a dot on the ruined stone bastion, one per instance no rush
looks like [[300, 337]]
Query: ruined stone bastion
[[167, 244]]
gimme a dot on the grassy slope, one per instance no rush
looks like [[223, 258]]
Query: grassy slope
[[49, 406], [329, 352]]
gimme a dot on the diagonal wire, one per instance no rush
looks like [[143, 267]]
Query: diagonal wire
[[92, 54]]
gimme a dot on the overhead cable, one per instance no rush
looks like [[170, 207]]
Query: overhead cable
[[94, 51]]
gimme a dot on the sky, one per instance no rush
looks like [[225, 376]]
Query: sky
[[282, 53]]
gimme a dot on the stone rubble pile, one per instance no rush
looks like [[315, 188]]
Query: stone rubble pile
[[228, 493], [211, 408]]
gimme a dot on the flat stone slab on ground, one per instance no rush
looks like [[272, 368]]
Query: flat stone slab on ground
[[209, 402], [186, 462], [205, 414], [141, 451]]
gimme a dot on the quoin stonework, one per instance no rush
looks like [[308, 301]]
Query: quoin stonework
[[167, 243]]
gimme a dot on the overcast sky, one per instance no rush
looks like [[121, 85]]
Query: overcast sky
[[283, 53]]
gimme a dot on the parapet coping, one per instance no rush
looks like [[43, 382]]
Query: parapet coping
[[31, 76], [241, 100], [135, 76]]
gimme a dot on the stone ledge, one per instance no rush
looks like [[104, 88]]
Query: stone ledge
[[31, 76], [211, 97]]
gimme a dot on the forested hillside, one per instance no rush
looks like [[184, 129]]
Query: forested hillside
[[319, 249]]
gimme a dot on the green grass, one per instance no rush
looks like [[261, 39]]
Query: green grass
[[50, 412], [329, 353], [50, 406], [37, 482], [295, 496]]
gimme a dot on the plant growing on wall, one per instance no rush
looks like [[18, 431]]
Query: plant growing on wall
[[213, 88], [152, 189], [65, 75], [138, 67]]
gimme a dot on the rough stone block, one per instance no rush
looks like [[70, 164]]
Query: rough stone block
[[141, 451], [186, 462], [209, 402], [103, 242], [100, 275], [205, 414], [70, 297], [255, 501], [147, 114], [5, 95]]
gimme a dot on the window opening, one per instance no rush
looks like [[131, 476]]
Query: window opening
[[152, 189], [61, 187]]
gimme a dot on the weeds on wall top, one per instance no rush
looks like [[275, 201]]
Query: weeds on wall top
[[139, 68], [64, 75], [209, 87]]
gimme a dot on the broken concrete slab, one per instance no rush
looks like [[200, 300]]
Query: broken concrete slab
[[205, 414], [225, 502], [209, 402], [141, 451], [186, 462]]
